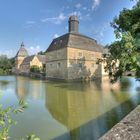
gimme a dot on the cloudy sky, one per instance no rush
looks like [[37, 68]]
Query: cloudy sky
[[37, 22]]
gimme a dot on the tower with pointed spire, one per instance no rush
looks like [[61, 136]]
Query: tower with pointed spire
[[20, 56]]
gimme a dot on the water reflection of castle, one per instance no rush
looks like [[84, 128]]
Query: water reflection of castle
[[77, 105], [27, 87], [74, 107]]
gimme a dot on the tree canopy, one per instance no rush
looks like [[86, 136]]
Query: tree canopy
[[6, 65], [126, 49]]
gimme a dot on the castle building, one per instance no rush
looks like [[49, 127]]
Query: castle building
[[33, 60], [20, 56], [24, 62], [73, 56]]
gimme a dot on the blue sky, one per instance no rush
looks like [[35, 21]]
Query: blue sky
[[37, 22]]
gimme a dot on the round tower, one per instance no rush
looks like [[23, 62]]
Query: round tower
[[20, 56], [73, 24]]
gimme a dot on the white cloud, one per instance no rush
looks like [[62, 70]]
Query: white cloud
[[99, 33], [95, 4], [87, 15], [30, 22], [76, 13], [55, 36], [56, 20], [33, 50], [12, 53], [84, 8], [27, 26], [78, 5], [68, 7], [9, 53]]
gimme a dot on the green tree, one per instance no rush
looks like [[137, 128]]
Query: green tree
[[41, 53], [6, 64], [126, 48]]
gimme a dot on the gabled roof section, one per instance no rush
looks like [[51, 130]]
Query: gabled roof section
[[75, 40], [42, 58], [28, 59]]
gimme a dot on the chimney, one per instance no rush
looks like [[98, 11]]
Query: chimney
[[73, 24]]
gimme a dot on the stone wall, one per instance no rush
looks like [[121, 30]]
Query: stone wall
[[127, 129], [56, 64], [72, 64], [56, 55], [18, 62], [82, 64]]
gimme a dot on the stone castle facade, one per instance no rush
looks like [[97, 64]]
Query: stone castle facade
[[73, 56]]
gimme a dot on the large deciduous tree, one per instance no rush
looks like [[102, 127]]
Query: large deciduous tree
[[126, 48]]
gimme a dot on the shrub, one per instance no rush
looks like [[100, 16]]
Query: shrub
[[35, 69]]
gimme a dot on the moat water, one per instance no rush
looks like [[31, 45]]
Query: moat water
[[68, 111]]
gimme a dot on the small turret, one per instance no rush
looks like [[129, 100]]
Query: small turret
[[73, 24], [22, 51], [20, 56]]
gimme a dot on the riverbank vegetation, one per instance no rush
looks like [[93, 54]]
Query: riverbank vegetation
[[6, 65], [126, 48], [35, 69]]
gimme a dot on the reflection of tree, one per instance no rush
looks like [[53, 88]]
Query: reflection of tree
[[125, 83], [6, 82], [3, 84]]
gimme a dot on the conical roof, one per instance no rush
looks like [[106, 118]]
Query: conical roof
[[22, 51]]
